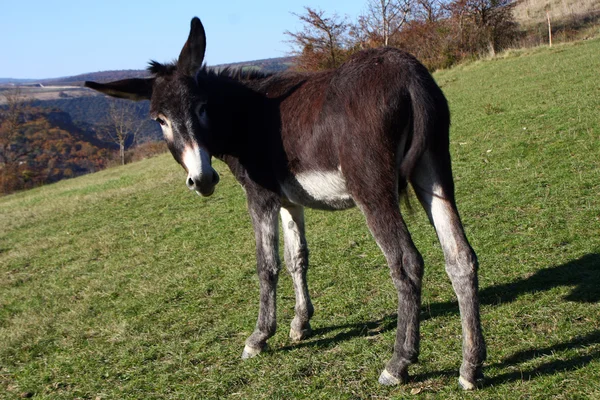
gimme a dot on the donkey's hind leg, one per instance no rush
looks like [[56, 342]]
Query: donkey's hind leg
[[406, 268], [433, 184], [296, 260]]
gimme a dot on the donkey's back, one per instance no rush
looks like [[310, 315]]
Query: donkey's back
[[372, 117]]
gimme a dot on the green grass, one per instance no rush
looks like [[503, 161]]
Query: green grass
[[124, 285]]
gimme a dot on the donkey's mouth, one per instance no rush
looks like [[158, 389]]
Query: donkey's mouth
[[206, 193], [207, 189]]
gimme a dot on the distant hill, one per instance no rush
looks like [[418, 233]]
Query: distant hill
[[88, 109], [64, 138], [90, 112], [12, 80], [267, 65], [102, 76]]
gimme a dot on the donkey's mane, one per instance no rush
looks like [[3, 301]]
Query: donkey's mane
[[159, 69], [234, 73]]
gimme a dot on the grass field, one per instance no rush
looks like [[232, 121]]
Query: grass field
[[124, 285]]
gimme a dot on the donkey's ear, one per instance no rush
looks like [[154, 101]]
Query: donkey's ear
[[192, 55], [132, 89]]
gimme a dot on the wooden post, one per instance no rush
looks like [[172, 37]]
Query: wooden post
[[549, 28]]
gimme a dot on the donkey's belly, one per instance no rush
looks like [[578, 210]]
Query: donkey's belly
[[324, 190]]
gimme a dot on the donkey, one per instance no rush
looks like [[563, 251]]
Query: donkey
[[355, 135]]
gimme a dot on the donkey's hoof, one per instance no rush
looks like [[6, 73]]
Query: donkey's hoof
[[465, 384], [298, 335], [250, 352], [388, 379]]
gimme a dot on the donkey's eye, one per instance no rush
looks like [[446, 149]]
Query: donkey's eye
[[200, 109], [161, 121], [201, 113]]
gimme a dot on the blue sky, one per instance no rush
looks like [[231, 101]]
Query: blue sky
[[47, 39]]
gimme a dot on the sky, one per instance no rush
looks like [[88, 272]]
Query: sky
[[56, 38]]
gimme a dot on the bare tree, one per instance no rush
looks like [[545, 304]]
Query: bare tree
[[13, 117], [323, 41], [382, 20], [428, 11], [122, 126]]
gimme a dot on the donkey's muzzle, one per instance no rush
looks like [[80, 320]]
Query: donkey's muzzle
[[204, 186]]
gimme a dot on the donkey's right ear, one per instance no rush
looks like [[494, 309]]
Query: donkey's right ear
[[131, 89]]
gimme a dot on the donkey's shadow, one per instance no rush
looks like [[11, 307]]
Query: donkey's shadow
[[524, 356], [583, 274], [550, 367]]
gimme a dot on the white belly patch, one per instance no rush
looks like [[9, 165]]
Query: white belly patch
[[318, 189]]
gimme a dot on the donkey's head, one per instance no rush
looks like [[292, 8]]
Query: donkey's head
[[178, 104]]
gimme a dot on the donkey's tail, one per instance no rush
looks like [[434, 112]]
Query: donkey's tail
[[425, 101]]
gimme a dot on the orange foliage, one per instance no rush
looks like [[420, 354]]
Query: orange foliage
[[45, 153]]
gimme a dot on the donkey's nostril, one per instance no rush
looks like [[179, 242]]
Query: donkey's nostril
[[190, 183]]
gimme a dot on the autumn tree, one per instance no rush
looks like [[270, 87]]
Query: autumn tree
[[121, 125], [322, 43]]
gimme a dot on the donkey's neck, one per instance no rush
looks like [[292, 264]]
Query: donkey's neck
[[248, 128], [242, 116]]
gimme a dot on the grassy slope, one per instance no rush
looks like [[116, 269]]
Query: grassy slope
[[534, 11], [122, 284]]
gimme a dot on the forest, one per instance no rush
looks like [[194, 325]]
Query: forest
[[40, 146]]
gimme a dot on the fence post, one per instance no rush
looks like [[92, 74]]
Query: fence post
[[549, 27]]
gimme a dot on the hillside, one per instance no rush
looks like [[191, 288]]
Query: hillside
[[89, 109], [530, 12], [90, 113], [49, 147], [124, 284], [267, 65], [102, 76]]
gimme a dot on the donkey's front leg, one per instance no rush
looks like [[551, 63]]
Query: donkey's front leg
[[296, 260], [266, 231]]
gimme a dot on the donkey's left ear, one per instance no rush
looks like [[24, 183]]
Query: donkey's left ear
[[192, 55], [131, 89]]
